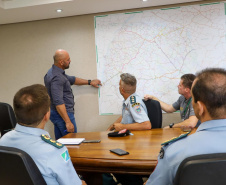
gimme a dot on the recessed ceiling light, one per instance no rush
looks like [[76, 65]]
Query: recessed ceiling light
[[59, 10], [145, 0]]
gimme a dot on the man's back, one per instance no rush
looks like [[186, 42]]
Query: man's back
[[209, 138], [54, 163]]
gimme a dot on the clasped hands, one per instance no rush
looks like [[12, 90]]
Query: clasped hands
[[116, 127]]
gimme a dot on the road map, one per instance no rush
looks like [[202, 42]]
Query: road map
[[158, 47]]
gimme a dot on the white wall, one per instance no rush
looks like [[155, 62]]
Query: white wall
[[26, 52]]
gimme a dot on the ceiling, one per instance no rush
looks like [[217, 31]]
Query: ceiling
[[14, 11]]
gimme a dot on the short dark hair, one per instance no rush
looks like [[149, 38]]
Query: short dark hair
[[210, 88], [30, 104], [188, 79]]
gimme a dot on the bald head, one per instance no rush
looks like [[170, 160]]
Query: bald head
[[59, 55], [62, 59], [210, 88]]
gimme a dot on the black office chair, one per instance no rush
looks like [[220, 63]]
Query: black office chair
[[17, 167], [7, 118], [207, 169], [154, 113]]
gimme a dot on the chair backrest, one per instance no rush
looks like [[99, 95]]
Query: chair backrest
[[17, 167], [7, 118], [207, 169], [154, 113]]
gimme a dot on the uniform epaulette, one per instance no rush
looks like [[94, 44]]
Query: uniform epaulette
[[132, 99], [175, 139], [135, 104], [51, 141]]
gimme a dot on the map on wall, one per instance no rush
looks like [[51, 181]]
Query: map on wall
[[158, 47]]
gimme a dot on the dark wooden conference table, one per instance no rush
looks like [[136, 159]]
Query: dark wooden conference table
[[143, 148]]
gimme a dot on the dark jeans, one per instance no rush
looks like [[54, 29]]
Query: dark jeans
[[60, 129]]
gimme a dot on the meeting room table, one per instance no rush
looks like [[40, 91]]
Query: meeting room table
[[96, 158]]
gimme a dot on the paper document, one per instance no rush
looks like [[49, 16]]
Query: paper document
[[71, 141]]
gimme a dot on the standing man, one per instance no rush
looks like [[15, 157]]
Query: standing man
[[209, 102], [32, 108], [134, 112], [188, 118], [58, 85]]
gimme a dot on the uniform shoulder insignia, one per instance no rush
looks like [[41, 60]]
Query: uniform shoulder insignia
[[51, 141], [132, 99], [135, 104], [175, 139]]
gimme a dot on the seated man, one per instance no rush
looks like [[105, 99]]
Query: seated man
[[32, 109], [209, 102], [134, 117], [183, 104], [134, 112]]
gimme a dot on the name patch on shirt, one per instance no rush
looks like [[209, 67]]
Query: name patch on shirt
[[65, 156]]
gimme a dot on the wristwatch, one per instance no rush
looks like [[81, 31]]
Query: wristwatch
[[171, 125], [89, 81]]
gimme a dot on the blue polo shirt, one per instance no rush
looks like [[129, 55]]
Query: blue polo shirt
[[59, 89]]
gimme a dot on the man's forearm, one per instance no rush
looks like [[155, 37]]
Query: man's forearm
[[61, 109], [139, 126], [133, 126], [95, 83], [190, 122], [164, 106], [80, 81]]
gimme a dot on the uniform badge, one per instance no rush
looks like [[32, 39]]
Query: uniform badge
[[51, 141], [65, 156], [137, 108], [161, 153]]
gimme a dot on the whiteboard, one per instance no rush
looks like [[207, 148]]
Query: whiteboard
[[158, 47]]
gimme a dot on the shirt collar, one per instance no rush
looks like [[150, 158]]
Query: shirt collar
[[57, 69], [187, 100], [212, 124], [128, 99], [30, 130]]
